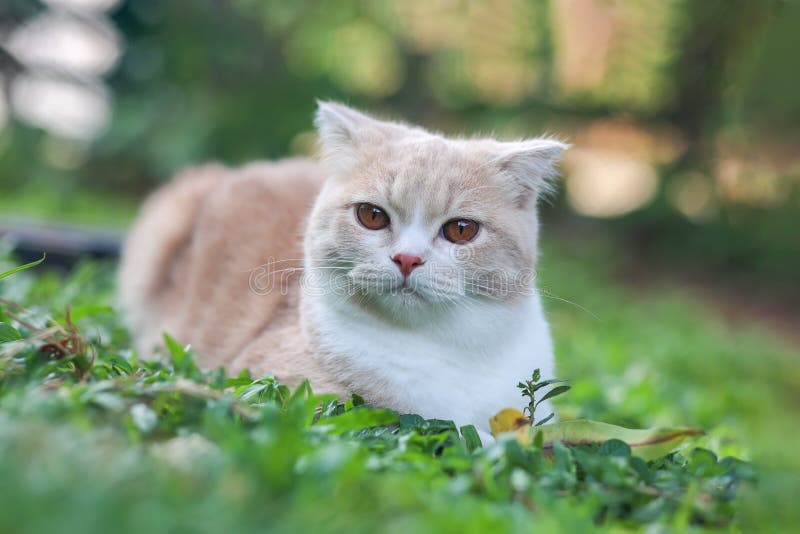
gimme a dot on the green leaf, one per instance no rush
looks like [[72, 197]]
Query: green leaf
[[410, 420], [546, 419], [471, 437], [120, 364], [303, 391], [182, 358], [243, 379], [543, 383], [648, 444], [176, 350], [359, 419], [425, 426], [8, 333], [538, 440], [564, 462], [553, 393], [640, 466], [23, 267], [703, 462], [262, 391], [615, 447]]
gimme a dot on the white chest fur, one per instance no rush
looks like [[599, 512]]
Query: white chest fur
[[460, 368]]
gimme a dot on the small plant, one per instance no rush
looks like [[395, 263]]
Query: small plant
[[529, 389]]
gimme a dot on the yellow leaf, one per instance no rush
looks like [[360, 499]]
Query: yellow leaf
[[508, 420]]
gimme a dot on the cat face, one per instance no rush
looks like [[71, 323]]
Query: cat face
[[411, 222]]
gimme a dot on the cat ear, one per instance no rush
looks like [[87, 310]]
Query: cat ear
[[532, 164], [340, 129]]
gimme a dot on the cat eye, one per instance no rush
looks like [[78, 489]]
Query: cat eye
[[371, 216], [460, 230]]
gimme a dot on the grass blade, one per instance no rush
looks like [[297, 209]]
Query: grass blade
[[23, 267]]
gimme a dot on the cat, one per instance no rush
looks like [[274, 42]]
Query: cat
[[398, 265]]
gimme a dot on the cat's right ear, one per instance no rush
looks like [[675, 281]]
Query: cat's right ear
[[340, 131], [531, 164]]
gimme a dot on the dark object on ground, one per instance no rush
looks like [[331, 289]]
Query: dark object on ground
[[64, 244]]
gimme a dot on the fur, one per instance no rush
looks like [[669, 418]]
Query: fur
[[267, 268]]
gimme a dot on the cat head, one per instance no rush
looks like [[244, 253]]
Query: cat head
[[411, 222]]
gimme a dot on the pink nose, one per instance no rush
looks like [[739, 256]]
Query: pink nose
[[407, 262]]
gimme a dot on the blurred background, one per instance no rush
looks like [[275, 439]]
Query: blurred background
[[684, 115]]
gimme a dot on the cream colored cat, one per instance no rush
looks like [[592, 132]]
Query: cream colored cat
[[399, 266]]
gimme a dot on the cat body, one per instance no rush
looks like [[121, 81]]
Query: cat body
[[471, 376], [400, 266]]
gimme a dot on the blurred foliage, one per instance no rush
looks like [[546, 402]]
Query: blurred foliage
[[101, 440], [709, 86]]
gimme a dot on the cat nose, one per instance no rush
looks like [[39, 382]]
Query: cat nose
[[407, 262]]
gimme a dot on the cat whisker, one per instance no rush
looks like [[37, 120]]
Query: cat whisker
[[295, 269], [491, 288], [494, 292], [547, 294], [317, 268], [270, 262]]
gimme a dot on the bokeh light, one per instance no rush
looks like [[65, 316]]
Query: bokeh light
[[606, 183], [67, 44], [83, 5], [76, 110]]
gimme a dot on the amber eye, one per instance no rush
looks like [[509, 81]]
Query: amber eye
[[460, 230], [372, 216]]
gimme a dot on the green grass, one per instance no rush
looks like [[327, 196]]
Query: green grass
[[125, 445]]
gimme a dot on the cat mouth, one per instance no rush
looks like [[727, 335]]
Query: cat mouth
[[395, 289], [407, 295], [405, 290]]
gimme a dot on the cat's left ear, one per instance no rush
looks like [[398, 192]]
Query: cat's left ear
[[341, 129], [532, 164]]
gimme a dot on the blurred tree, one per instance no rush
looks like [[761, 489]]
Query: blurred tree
[[700, 97]]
